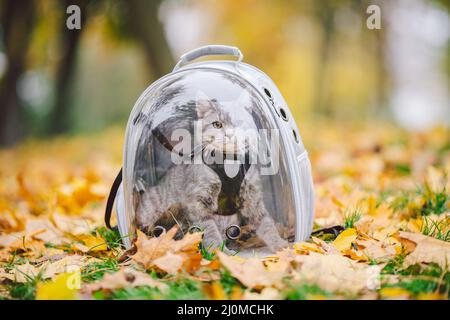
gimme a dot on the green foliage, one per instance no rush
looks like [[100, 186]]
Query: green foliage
[[96, 270], [130, 293], [228, 282], [419, 278], [394, 265], [437, 229], [23, 291], [184, 289], [305, 292], [206, 252], [402, 169], [26, 290], [435, 202], [112, 237], [422, 202], [351, 217], [179, 290]]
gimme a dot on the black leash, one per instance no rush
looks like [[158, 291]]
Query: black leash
[[112, 196]]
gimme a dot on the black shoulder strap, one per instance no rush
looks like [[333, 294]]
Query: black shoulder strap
[[112, 196]]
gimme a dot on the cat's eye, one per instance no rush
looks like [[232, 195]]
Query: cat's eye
[[217, 124]]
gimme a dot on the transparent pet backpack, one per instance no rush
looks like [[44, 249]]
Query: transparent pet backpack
[[212, 147]]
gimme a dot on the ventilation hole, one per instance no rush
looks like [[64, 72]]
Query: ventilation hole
[[267, 92], [295, 135], [233, 232], [283, 114]]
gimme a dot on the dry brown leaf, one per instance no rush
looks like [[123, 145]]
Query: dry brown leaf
[[427, 250], [335, 272], [170, 262], [72, 263], [305, 247], [47, 270], [124, 278], [165, 250], [377, 250], [328, 248], [250, 272], [21, 273]]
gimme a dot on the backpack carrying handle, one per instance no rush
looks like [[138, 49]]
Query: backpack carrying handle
[[211, 50]]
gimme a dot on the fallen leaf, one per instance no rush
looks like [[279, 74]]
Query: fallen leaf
[[353, 254], [63, 287], [72, 263], [124, 278], [344, 239], [214, 291], [182, 251], [394, 293], [377, 250], [427, 250], [336, 273], [170, 262], [268, 293], [90, 243], [250, 272], [305, 247]]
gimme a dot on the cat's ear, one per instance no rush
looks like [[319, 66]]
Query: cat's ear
[[203, 104]]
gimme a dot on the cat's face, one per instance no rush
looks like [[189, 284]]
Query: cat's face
[[226, 128]]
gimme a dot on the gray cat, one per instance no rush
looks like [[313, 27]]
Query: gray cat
[[199, 194]]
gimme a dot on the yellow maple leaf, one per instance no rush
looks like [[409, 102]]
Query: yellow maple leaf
[[355, 255], [91, 243], [301, 247], [344, 239], [64, 287], [394, 293], [215, 291]]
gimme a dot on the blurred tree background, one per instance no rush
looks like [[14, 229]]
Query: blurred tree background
[[321, 54]]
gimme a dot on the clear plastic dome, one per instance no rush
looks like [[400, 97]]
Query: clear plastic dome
[[202, 154]]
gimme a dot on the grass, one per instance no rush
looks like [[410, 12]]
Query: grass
[[351, 217], [228, 282], [402, 169], [112, 237], [96, 270], [306, 291], [439, 229], [418, 278], [422, 202], [184, 289], [23, 291], [206, 252], [435, 202]]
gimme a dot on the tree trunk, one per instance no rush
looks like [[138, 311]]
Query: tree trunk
[[325, 14], [60, 116], [149, 32], [17, 23]]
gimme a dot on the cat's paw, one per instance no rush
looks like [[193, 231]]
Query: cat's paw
[[229, 251], [278, 245]]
